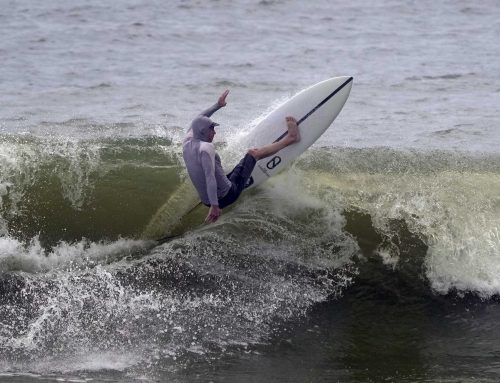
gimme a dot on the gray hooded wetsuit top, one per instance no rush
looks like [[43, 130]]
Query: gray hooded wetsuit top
[[202, 163]]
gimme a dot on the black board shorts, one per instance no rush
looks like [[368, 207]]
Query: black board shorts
[[239, 178]]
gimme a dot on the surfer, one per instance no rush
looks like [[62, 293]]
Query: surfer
[[216, 190]]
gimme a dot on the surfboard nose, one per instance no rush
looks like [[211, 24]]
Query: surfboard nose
[[315, 108]]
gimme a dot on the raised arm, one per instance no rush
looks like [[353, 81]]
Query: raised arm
[[221, 102]]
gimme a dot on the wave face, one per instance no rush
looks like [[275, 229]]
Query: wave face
[[83, 281], [64, 190]]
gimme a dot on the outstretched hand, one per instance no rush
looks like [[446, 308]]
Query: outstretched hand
[[213, 214], [222, 98]]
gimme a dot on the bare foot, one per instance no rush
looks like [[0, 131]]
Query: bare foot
[[271, 149], [293, 130]]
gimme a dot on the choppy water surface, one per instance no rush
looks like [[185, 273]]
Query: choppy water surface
[[375, 257]]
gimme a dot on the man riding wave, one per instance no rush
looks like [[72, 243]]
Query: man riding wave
[[216, 189]]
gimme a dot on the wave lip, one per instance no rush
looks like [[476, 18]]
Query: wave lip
[[448, 199]]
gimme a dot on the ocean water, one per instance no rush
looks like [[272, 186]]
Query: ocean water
[[374, 258]]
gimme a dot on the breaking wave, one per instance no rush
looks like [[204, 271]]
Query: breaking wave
[[82, 274]]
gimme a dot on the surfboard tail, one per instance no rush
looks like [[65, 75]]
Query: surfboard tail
[[170, 214]]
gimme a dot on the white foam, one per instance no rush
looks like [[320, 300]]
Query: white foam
[[97, 361], [85, 361], [22, 159], [466, 258], [33, 258], [455, 213]]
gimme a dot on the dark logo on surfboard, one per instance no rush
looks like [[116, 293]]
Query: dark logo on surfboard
[[273, 162]]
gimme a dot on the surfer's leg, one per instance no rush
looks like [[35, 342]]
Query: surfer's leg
[[268, 150], [239, 177]]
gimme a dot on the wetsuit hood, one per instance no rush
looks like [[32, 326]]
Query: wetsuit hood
[[201, 126]]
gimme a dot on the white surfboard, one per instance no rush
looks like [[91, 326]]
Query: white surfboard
[[315, 108]]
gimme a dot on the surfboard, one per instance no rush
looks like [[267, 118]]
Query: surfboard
[[315, 109]]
